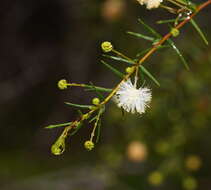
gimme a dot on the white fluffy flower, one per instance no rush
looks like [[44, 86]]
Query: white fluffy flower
[[132, 99], [150, 4], [142, 1]]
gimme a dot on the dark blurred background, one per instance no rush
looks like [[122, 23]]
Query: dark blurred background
[[43, 41]]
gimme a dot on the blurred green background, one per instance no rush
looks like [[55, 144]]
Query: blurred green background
[[43, 41]]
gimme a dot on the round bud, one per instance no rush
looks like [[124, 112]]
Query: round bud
[[129, 70], [96, 101], [89, 145], [85, 116], [175, 32], [62, 84], [106, 46], [58, 147]]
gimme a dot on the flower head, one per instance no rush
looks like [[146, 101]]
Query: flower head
[[150, 4], [175, 32], [142, 1], [132, 99], [89, 145], [62, 84], [95, 101], [106, 46]]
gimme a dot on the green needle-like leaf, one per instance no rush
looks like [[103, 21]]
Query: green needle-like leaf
[[93, 119], [98, 130], [100, 96], [150, 29], [58, 125], [76, 129], [148, 49], [114, 70], [93, 87], [199, 31], [168, 21], [143, 69], [78, 105], [146, 72], [118, 59], [171, 43], [141, 36]]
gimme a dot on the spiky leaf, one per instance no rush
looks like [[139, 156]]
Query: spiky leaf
[[114, 70], [171, 43], [58, 125], [141, 36]]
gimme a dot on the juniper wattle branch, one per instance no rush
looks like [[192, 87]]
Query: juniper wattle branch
[[126, 94]]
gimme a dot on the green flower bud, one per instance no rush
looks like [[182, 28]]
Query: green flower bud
[[106, 46], [62, 84], [92, 107], [89, 145], [129, 70], [96, 101], [85, 116], [175, 32], [58, 147]]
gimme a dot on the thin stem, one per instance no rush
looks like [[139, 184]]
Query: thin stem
[[95, 125], [136, 76], [90, 86], [122, 55]]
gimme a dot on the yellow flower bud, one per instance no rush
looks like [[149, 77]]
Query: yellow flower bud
[[58, 147], [89, 145], [175, 32], [129, 70], [92, 107], [85, 116], [62, 84], [106, 46], [95, 101]]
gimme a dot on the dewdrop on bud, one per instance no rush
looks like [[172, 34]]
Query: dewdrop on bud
[[175, 32], [89, 145], [106, 46], [58, 147], [62, 84], [96, 101], [129, 70]]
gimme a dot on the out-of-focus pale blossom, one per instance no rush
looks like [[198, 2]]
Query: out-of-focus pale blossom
[[151, 4]]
